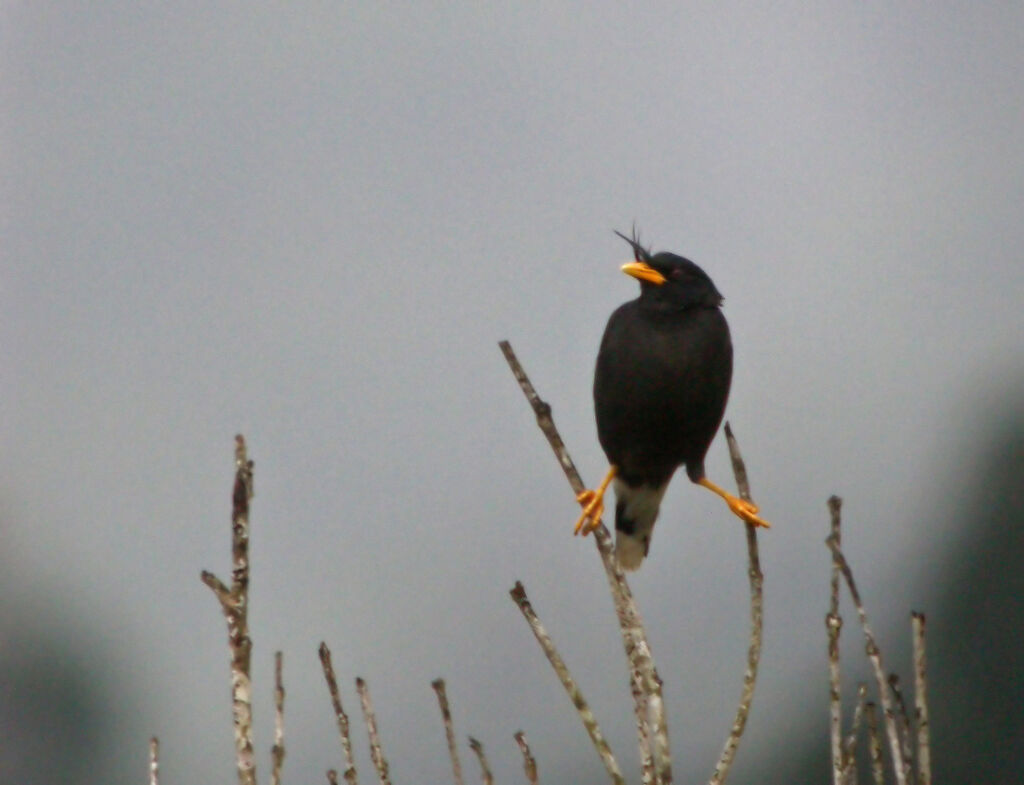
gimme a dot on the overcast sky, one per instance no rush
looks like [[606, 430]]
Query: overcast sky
[[312, 222]]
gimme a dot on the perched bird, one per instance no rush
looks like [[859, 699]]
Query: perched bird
[[660, 387]]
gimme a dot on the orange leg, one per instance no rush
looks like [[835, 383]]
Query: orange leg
[[593, 505], [746, 511]]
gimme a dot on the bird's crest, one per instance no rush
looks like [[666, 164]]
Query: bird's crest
[[640, 253]]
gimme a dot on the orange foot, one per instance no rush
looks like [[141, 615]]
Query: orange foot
[[746, 511], [593, 506], [742, 509]]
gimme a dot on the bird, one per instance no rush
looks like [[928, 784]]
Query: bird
[[661, 384]]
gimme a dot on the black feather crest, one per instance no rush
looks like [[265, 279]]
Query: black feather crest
[[640, 253]]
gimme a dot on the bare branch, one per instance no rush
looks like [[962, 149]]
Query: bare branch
[[756, 579], [234, 603], [902, 722], [834, 626], [544, 419], [529, 764], [835, 507], [485, 770], [648, 775], [217, 587], [575, 695], [154, 761], [924, 754], [449, 730], [376, 751], [874, 744], [646, 684], [277, 752], [900, 765], [850, 747], [339, 713]]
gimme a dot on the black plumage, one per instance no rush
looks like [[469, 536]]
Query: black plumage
[[660, 388]]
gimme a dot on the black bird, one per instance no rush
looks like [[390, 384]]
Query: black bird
[[660, 387]]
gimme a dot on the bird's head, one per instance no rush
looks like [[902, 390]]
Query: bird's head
[[668, 281]]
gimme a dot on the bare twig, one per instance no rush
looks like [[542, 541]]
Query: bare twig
[[648, 774], [376, 751], [924, 754], [339, 713], [277, 752], [648, 704], [218, 588], [575, 695], [449, 731], [900, 765], [756, 579], [544, 419], [529, 764], [850, 746], [234, 603], [154, 761], [485, 770], [902, 721], [646, 684], [874, 744], [835, 507], [834, 626]]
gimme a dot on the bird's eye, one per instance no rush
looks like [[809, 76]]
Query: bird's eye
[[676, 274]]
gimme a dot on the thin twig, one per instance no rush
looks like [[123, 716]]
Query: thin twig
[[154, 761], [529, 764], [649, 703], [835, 507], [339, 713], [874, 744], [277, 752], [850, 746], [900, 765], [234, 603], [485, 770], [756, 579], [924, 754], [376, 751], [518, 594], [834, 626], [449, 730], [902, 722]]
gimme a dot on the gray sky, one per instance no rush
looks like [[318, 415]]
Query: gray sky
[[311, 223]]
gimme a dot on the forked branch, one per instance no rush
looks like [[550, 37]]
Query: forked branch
[[234, 603], [569, 683], [645, 682], [652, 729], [901, 765]]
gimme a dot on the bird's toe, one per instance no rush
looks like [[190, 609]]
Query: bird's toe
[[747, 511], [593, 509]]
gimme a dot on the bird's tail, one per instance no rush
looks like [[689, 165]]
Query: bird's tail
[[636, 510]]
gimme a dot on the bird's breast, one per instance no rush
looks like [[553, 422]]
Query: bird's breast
[[661, 384]]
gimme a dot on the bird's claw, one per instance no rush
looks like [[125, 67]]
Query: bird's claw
[[747, 512], [593, 507]]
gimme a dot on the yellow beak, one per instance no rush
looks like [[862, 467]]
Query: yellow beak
[[644, 272]]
